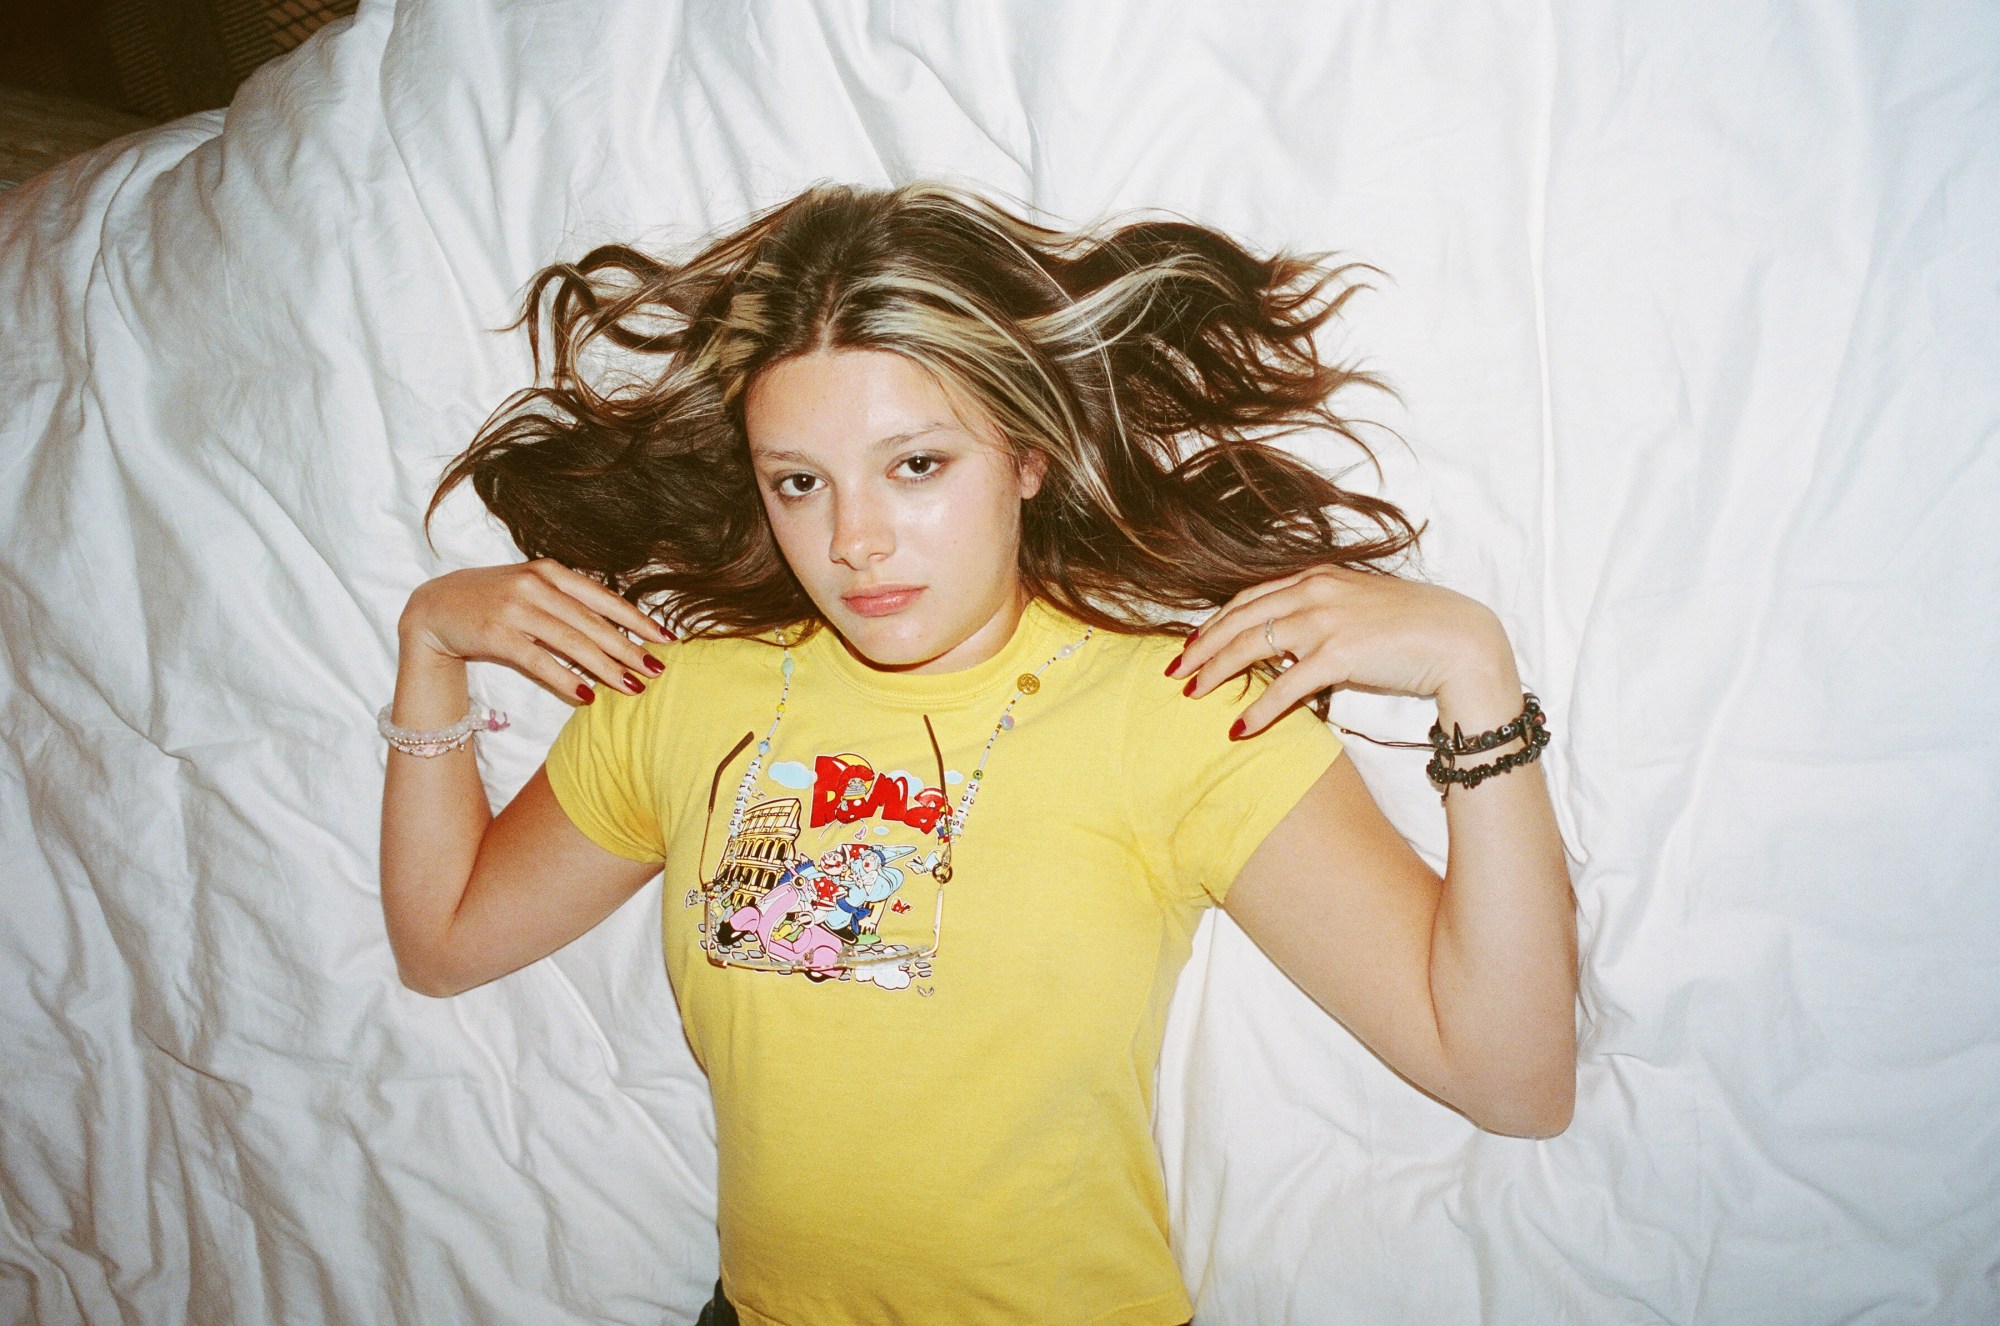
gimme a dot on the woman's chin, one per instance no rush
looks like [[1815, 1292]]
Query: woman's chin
[[925, 636], [881, 643]]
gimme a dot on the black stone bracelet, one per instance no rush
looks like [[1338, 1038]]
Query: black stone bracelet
[[1443, 768]]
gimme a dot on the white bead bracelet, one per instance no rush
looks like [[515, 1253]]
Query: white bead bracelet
[[426, 744]]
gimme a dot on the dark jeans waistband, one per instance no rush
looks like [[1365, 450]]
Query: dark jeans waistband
[[721, 1312]]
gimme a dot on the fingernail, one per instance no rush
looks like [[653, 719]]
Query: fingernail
[[1189, 688], [585, 694], [1236, 730], [632, 683], [654, 666], [1176, 663]]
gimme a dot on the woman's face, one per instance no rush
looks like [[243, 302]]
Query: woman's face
[[899, 515]]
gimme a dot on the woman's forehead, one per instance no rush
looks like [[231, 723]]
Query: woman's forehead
[[839, 403]]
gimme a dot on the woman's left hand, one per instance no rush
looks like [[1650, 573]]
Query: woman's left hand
[[1347, 628]]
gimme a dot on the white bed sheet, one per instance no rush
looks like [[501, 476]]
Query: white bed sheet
[[1692, 310]]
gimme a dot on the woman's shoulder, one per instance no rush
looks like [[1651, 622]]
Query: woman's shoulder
[[697, 673], [719, 651], [1143, 657], [1160, 718], [1131, 674]]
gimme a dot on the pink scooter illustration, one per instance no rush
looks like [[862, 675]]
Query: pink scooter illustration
[[784, 925]]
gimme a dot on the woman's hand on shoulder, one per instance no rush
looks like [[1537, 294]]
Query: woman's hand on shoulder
[[1346, 628], [532, 616]]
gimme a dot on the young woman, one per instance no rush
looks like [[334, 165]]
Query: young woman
[[939, 788]]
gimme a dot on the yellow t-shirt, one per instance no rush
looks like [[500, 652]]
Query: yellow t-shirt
[[933, 1086]]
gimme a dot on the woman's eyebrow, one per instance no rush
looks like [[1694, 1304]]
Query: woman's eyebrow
[[893, 440]]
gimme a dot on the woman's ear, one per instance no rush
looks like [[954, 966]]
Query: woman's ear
[[1032, 469]]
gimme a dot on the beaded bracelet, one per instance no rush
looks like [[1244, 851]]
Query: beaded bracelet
[[424, 745], [1443, 768]]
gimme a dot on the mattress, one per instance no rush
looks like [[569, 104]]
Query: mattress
[[1690, 314]]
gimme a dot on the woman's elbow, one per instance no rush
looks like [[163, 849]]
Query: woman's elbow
[[426, 982], [427, 973], [1537, 1114]]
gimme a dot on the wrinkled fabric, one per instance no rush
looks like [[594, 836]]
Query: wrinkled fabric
[[1690, 311]]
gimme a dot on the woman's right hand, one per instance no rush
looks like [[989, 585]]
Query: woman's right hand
[[531, 616]]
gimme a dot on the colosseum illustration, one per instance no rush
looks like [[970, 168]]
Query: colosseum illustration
[[758, 854]]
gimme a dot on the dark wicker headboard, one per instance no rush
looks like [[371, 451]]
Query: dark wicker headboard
[[159, 58]]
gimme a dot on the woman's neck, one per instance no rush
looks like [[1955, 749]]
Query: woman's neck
[[987, 640]]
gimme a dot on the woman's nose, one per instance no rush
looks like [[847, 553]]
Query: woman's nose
[[862, 532]]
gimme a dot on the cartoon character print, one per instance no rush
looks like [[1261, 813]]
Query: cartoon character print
[[857, 781], [775, 902], [850, 881]]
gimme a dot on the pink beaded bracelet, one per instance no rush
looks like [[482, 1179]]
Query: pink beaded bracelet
[[424, 745]]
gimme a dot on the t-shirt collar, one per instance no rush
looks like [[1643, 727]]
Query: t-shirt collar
[[1040, 633]]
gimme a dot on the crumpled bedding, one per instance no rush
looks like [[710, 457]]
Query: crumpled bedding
[[1691, 314]]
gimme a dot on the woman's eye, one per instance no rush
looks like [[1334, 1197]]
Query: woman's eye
[[794, 485], [923, 465]]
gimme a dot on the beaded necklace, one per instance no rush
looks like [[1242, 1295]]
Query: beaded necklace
[[951, 825]]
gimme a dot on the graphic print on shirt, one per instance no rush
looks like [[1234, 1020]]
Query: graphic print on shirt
[[833, 873]]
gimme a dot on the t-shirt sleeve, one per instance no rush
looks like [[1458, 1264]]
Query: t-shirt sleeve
[[604, 771], [1213, 801]]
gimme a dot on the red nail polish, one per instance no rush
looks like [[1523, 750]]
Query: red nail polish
[[654, 666], [1189, 688], [1176, 663], [1236, 730], [632, 683], [585, 694]]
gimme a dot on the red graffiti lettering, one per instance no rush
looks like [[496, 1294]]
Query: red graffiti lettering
[[845, 791], [928, 808]]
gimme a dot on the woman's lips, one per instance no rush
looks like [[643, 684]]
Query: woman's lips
[[881, 602]]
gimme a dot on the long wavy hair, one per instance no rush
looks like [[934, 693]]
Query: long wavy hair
[[1151, 364]]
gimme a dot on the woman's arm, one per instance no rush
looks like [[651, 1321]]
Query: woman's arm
[[467, 896], [1466, 984]]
